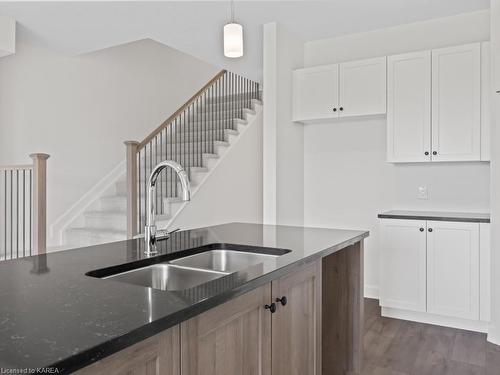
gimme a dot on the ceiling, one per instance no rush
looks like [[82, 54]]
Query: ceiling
[[196, 27]]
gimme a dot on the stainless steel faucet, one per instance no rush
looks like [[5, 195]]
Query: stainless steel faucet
[[150, 230]]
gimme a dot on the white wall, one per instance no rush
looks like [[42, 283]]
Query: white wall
[[81, 109], [441, 32], [494, 331], [283, 139], [233, 191], [348, 182], [7, 36]]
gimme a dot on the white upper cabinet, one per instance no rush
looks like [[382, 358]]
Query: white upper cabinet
[[362, 87], [436, 101], [315, 93], [456, 103], [349, 89], [437, 107], [453, 269], [409, 107]]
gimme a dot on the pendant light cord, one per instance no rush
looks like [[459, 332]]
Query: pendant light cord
[[232, 11]]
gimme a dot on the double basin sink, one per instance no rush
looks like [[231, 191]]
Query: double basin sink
[[192, 270]]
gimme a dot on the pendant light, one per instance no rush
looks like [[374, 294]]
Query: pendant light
[[233, 37]]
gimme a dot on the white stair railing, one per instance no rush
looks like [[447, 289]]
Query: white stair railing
[[23, 207]]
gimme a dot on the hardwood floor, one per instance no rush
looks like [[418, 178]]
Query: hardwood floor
[[398, 347]]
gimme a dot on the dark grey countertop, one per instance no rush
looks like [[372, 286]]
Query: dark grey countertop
[[469, 217], [53, 315]]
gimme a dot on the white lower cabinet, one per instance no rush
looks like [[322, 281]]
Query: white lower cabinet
[[453, 269], [436, 270], [403, 264]]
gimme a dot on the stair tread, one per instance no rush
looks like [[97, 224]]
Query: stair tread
[[98, 230], [97, 213]]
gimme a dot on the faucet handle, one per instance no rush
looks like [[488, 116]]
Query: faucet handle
[[150, 237]]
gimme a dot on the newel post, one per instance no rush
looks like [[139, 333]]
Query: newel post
[[40, 202], [132, 148]]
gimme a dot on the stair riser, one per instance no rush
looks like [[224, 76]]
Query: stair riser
[[231, 138], [206, 123], [167, 179], [213, 116], [118, 204], [121, 186], [185, 162], [233, 98], [179, 154], [195, 136], [171, 208], [228, 108], [78, 239], [223, 113], [114, 222], [199, 136], [186, 154]]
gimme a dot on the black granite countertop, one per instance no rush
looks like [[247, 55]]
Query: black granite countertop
[[467, 217], [53, 315]]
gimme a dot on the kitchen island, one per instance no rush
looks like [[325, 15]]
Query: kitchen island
[[59, 311]]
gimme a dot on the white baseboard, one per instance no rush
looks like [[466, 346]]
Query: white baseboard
[[371, 291], [439, 320], [57, 228]]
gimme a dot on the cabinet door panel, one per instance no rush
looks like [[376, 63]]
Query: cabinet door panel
[[403, 264], [409, 107], [157, 355], [297, 325], [453, 269], [315, 93], [456, 103], [233, 338], [363, 87]]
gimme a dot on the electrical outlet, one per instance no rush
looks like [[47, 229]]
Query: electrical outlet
[[422, 192]]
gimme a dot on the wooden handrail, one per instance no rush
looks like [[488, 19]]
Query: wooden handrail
[[180, 110]]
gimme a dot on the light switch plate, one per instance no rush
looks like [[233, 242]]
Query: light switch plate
[[422, 192]]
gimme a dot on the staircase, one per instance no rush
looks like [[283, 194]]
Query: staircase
[[197, 136]]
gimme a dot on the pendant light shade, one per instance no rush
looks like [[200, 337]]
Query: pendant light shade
[[233, 37], [233, 40]]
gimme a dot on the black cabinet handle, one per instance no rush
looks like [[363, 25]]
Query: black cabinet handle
[[335, 110], [283, 300], [426, 153], [434, 153], [421, 229], [271, 307], [430, 229], [341, 108]]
